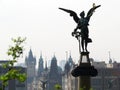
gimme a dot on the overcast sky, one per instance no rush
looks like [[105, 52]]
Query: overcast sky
[[48, 29]]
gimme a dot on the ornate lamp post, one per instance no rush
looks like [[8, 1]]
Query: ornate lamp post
[[84, 70]]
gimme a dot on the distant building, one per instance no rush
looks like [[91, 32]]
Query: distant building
[[40, 66], [13, 84], [68, 81], [116, 65], [54, 77], [108, 76], [36, 85], [62, 64], [42, 75], [47, 77], [107, 79], [30, 62], [97, 64]]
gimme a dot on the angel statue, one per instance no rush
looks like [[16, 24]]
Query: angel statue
[[82, 25]]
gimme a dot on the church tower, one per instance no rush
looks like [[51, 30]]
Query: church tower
[[40, 66], [68, 65], [54, 76], [70, 61], [30, 62]]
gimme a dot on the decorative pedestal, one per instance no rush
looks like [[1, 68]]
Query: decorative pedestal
[[84, 71]]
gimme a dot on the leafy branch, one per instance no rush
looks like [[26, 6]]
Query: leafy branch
[[12, 73]]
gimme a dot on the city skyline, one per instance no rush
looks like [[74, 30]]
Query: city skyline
[[48, 30]]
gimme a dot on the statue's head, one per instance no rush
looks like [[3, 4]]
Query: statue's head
[[82, 14]]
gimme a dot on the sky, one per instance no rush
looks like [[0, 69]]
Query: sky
[[48, 29]]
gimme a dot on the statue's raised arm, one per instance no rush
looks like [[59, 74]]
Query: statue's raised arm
[[72, 14], [91, 11]]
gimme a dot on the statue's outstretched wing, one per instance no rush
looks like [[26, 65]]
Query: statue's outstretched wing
[[91, 11], [72, 13]]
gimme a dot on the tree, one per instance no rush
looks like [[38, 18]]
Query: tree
[[15, 52]]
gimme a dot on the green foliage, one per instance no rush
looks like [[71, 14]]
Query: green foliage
[[81, 89], [85, 89], [12, 73], [58, 87], [16, 50], [91, 88]]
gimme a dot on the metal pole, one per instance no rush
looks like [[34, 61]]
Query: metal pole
[[79, 45]]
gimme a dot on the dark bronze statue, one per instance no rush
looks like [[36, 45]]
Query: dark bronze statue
[[82, 25]]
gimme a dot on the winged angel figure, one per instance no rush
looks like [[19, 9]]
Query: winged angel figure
[[82, 25]]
